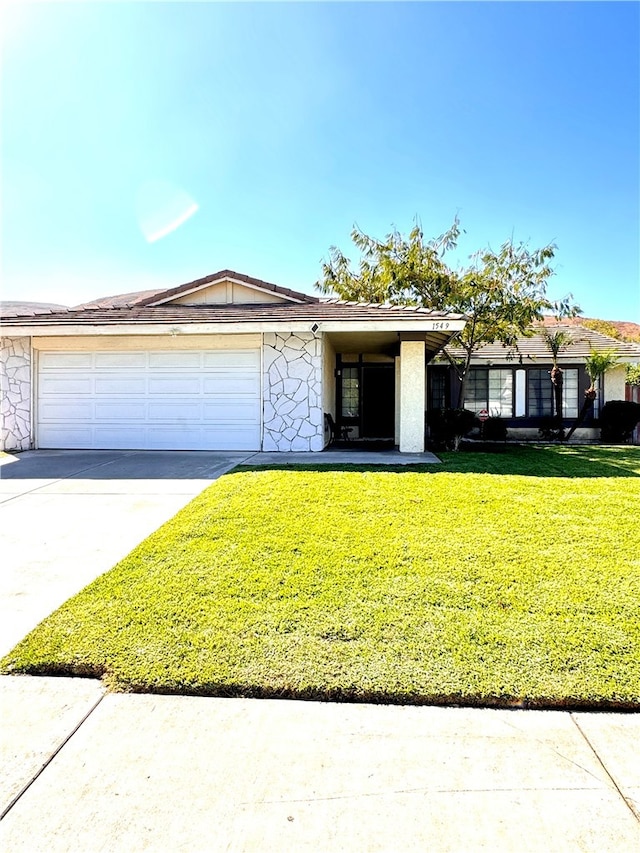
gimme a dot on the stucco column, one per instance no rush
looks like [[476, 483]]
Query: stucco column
[[396, 426], [412, 396]]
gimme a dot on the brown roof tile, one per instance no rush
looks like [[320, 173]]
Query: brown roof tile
[[224, 274], [257, 312], [534, 348]]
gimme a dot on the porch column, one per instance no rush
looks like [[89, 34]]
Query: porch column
[[412, 396], [396, 425]]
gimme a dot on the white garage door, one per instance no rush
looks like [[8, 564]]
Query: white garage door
[[150, 400]]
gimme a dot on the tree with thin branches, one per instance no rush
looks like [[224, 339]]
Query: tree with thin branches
[[501, 293]]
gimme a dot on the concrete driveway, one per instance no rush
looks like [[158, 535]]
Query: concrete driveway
[[68, 516]]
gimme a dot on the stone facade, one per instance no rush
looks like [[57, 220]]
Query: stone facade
[[15, 393], [292, 392]]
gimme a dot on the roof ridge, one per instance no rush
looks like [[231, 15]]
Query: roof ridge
[[198, 283]]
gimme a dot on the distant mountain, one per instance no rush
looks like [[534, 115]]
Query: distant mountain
[[14, 308]]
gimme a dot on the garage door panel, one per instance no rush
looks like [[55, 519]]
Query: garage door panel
[[231, 359], [54, 385], [117, 385], [126, 360], [242, 438], [66, 437], [175, 385], [116, 410], [150, 400], [69, 410], [125, 437], [187, 360], [232, 411], [58, 360], [231, 385], [173, 410]]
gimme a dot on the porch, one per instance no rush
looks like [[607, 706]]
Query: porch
[[374, 386]]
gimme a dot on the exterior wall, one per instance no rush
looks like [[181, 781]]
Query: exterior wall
[[227, 292], [15, 385], [412, 396], [328, 381], [168, 341], [292, 392], [581, 435], [614, 384]]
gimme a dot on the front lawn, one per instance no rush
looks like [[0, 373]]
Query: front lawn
[[500, 579]]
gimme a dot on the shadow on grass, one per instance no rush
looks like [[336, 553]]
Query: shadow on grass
[[526, 461], [351, 695]]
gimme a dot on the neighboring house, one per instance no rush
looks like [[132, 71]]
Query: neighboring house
[[515, 384], [227, 362]]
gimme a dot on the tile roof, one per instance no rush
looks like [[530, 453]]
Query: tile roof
[[534, 348], [229, 313], [236, 276]]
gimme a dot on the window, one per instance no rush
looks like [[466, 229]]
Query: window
[[438, 388], [540, 392], [477, 393], [500, 393], [528, 395], [350, 392], [570, 392], [491, 390]]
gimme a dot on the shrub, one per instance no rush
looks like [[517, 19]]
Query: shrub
[[493, 429], [618, 419], [550, 429], [448, 426]]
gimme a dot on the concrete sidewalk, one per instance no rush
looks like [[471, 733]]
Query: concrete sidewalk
[[162, 773]]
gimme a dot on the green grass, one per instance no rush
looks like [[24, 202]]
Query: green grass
[[492, 579]]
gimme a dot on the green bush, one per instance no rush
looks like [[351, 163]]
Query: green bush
[[618, 419], [448, 426], [493, 429]]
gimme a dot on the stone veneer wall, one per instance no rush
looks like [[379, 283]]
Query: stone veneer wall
[[15, 393], [292, 392]]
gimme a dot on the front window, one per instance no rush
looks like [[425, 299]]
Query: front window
[[540, 392], [350, 392], [491, 390], [500, 393], [476, 396], [570, 392]]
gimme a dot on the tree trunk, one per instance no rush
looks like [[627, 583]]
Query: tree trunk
[[463, 381], [589, 396], [557, 381]]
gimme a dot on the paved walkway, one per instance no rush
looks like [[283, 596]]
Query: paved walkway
[[81, 771]]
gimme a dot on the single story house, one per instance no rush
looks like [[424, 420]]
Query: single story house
[[227, 362], [230, 362], [514, 383]]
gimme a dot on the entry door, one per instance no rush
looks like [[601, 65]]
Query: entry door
[[378, 401]]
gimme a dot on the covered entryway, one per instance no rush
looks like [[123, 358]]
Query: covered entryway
[[366, 397], [149, 400]]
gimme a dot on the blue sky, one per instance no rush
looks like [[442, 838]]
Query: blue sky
[[271, 129]]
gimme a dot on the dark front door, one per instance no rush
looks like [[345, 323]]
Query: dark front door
[[378, 401]]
